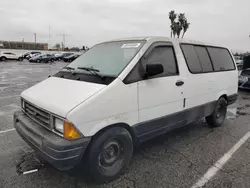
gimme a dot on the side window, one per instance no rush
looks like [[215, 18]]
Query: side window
[[221, 59], [163, 55], [204, 58], [192, 59]]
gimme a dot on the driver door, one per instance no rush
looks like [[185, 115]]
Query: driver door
[[160, 96]]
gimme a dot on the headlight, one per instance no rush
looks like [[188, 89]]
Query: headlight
[[243, 78], [67, 129], [58, 123]]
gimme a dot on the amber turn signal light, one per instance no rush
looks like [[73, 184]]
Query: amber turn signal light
[[70, 131]]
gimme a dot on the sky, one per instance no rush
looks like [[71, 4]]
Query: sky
[[87, 22]]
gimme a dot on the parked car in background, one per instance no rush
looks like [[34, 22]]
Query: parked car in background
[[70, 58], [239, 62], [244, 79], [29, 55], [44, 58], [10, 56], [60, 56], [244, 76]]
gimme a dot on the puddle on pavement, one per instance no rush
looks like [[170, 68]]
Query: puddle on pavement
[[28, 162], [231, 113]]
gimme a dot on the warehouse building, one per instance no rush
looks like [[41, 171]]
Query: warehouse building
[[23, 45]]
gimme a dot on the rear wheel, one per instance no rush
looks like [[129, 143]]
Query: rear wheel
[[217, 118], [20, 59], [109, 154], [52, 60], [38, 61]]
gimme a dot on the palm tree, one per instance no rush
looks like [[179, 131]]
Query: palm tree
[[175, 26], [178, 29], [185, 27], [172, 17], [182, 18]]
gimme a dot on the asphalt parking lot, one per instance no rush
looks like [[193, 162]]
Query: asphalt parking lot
[[182, 158]]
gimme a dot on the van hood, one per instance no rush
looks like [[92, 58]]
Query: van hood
[[59, 96]]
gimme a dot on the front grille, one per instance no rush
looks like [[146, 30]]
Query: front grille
[[38, 115]]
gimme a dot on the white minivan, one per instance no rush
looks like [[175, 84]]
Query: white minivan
[[121, 93]]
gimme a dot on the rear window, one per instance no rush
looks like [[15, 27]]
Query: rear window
[[221, 58]]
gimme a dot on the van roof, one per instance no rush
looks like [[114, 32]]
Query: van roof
[[161, 38]]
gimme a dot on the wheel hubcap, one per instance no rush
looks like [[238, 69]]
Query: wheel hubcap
[[111, 152]]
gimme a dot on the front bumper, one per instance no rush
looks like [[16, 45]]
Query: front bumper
[[61, 153]]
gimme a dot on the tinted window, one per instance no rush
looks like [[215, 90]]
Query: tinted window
[[192, 59], [163, 55], [204, 59], [221, 59]]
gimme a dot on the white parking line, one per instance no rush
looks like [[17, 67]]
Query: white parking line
[[31, 171], [8, 130], [221, 162]]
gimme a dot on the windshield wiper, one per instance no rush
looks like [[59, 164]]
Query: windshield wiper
[[92, 70], [68, 68]]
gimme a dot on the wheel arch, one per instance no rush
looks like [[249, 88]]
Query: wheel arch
[[224, 96], [123, 125]]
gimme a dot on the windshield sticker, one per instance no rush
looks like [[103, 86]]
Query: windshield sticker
[[131, 45]]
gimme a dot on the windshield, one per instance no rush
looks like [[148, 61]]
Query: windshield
[[108, 58]]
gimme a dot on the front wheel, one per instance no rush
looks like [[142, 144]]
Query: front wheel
[[52, 60], [109, 154], [217, 118]]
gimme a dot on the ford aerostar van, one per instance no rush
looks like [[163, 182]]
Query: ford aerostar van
[[121, 93]]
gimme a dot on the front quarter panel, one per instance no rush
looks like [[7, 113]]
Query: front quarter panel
[[115, 104]]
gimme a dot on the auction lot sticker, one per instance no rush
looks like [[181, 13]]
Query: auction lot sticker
[[131, 45]]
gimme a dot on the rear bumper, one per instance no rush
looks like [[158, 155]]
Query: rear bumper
[[232, 98], [61, 153]]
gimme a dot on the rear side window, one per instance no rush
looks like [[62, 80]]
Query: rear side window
[[191, 58], [221, 59], [203, 56], [163, 55]]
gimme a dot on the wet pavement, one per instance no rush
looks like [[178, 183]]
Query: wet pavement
[[177, 159]]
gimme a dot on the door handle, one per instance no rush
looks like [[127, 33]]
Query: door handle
[[179, 83]]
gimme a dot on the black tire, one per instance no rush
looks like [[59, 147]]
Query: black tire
[[109, 154], [52, 60], [38, 61], [3, 58], [20, 59], [217, 118]]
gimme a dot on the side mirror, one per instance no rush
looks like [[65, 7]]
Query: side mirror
[[153, 69]]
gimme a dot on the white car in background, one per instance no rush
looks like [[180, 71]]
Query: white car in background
[[10, 56], [239, 62]]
